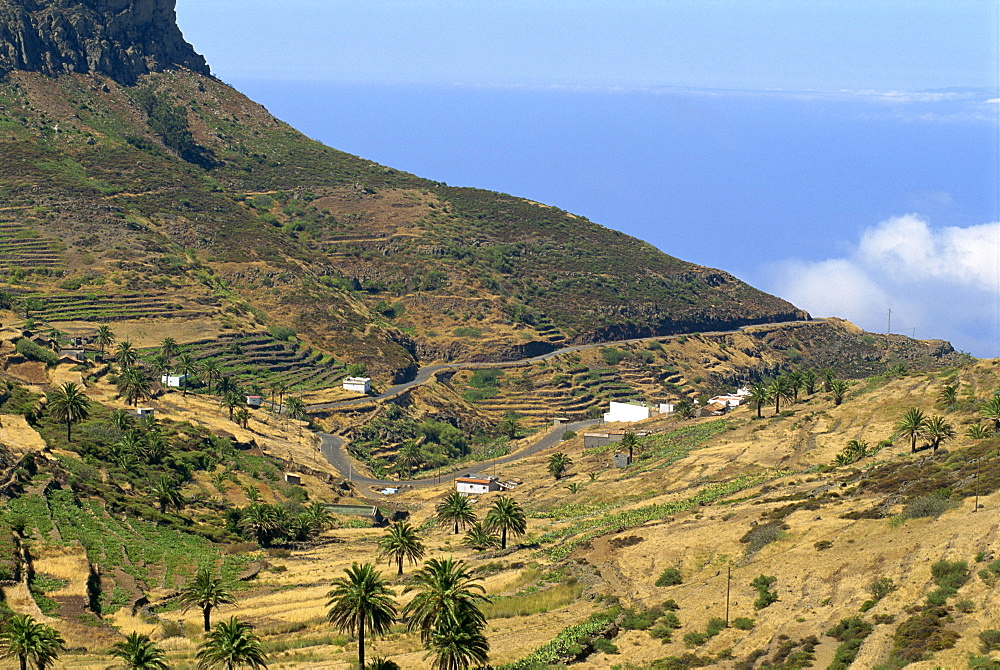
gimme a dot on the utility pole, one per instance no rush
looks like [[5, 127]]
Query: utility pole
[[888, 325], [729, 581]]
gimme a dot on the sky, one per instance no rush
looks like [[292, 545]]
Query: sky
[[842, 155]]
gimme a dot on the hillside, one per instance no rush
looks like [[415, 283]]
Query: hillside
[[704, 495], [180, 184]]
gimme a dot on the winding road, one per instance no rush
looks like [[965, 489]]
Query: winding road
[[333, 449]]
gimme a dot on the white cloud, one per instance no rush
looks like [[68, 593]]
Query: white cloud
[[944, 283]]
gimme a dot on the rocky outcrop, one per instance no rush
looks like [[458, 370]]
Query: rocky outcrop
[[121, 39]]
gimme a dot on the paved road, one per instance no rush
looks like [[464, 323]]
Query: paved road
[[425, 374], [332, 446]]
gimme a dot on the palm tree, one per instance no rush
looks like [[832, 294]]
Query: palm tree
[[382, 664], [457, 646], [779, 389], [759, 396], [138, 652], [242, 417], [978, 432], [105, 336], [809, 381], [510, 425], [186, 365], [629, 441], [205, 592], [794, 380], [27, 640], [164, 490], [169, 348], [912, 424], [826, 374], [479, 538], [120, 419], [446, 595], [133, 386], [126, 355], [231, 644], [361, 602], [399, 542], [455, 509], [838, 387], [158, 365], [948, 395], [991, 410], [409, 456], [938, 430], [505, 515], [68, 404], [210, 368], [296, 409], [232, 401], [685, 408], [263, 522], [558, 463]]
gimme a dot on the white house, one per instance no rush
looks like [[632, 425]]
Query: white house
[[358, 384], [475, 484], [626, 412], [667, 408], [174, 381], [254, 401]]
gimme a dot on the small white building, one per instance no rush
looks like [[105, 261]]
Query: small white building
[[358, 384], [254, 401], [293, 478], [667, 408], [173, 381], [626, 412], [470, 484], [144, 411]]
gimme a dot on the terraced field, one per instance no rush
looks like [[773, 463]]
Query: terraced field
[[575, 392], [136, 555], [21, 247], [259, 358], [102, 307]]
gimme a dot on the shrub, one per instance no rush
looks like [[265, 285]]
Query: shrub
[[881, 587], [765, 596], [568, 435], [922, 634], [965, 606], [605, 645], [989, 640], [850, 633], [823, 544], [670, 577], [760, 536], [743, 623], [695, 639], [33, 352], [933, 505]]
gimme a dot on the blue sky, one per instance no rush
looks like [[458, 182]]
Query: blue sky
[[843, 155]]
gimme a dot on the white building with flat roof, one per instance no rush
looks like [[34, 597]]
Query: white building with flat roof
[[626, 412], [476, 484], [358, 384]]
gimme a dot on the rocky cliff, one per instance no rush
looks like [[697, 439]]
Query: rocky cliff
[[122, 39]]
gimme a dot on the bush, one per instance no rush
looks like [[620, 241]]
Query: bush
[[670, 577], [695, 639], [760, 536], [933, 505], [605, 645], [743, 623], [850, 633], [881, 587], [765, 596], [989, 640], [33, 352], [568, 435]]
